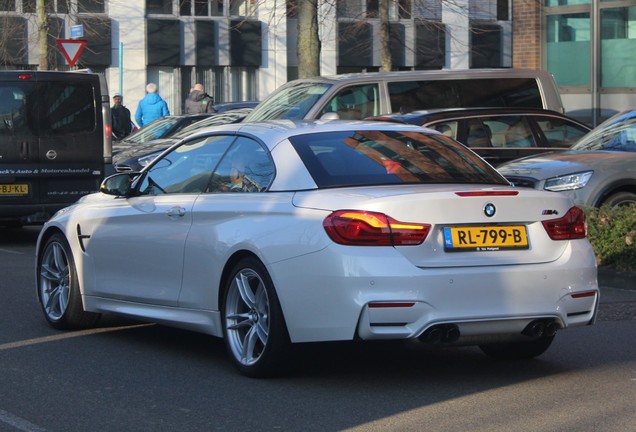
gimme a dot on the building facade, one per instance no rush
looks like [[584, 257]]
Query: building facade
[[244, 49]]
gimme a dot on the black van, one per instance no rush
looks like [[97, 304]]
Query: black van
[[55, 141]]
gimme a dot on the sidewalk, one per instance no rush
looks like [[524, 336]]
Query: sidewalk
[[618, 295], [616, 279]]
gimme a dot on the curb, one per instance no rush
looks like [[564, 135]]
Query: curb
[[616, 279]]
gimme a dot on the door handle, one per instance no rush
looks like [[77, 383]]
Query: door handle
[[176, 212], [24, 150]]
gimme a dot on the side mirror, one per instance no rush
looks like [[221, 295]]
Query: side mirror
[[118, 184]]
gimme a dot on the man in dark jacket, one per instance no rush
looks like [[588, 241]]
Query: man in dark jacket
[[199, 101], [120, 116]]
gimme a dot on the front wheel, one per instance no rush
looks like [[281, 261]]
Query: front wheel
[[620, 199], [58, 287], [518, 350], [253, 325]]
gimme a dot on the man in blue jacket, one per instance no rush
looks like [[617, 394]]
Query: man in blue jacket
[[151, 107]]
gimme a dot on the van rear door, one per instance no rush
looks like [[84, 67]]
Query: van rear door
[[19, 145], [51, 142], [71, 150]]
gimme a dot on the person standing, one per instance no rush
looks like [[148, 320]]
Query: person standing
[[198, 101], [120, 116], [151, 107]]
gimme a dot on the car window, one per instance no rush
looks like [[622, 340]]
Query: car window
[[478, 133], [13, 110], [514, 131], [407, 96], [246, 167], [339, 159], [187, 168], [66, 108], [559, 132], [448, 128], [355, 102]]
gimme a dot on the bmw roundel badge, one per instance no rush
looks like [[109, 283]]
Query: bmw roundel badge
[[489, 210]]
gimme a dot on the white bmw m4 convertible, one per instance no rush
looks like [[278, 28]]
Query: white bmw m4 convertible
[[270, 234]]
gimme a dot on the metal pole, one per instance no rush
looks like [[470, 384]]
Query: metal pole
[[596, 62], [121, 68]]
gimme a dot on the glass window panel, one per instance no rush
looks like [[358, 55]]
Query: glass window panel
[[404, 9], [7, 5], [618, 45], [427, 9], [90, 6], [566, 2], [159, 6], [68, 108], [350, 8], [242, 7], [201, 7], [185, 7], [186, 169], [568, 48], [28, 6], [559, 132], [63, 6]]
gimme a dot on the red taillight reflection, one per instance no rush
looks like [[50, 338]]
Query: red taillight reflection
[[571, 226], [363, 228]]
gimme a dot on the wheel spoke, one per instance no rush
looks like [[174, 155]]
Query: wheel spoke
[[243, 285], [55, 281]]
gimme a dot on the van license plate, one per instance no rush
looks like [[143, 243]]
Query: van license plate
[[485, 238], [14, 189]]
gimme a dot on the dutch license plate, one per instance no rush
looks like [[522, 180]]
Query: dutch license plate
[[485, 238], [14, 189]]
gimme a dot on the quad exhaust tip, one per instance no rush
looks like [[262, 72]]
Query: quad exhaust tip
[[541, 328], [440, 334]]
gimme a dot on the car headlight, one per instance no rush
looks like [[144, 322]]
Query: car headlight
[[145, 160], [568, 182]]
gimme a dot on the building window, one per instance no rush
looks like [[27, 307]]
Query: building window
[[552, 3], [618, 45], [350, 8], [7, 5], [90, 6], [568, 48], [161, 7], [485, 46], [427, 9]]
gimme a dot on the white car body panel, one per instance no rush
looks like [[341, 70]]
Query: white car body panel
[[326, 290]]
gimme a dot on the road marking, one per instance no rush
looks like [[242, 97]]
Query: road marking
[[18, 422], [11, 251], [68, 335]]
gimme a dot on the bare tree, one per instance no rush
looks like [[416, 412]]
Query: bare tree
[[309, 44], [43, 32]]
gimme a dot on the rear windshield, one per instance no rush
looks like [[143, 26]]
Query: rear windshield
[[407, 96], [341, 159]]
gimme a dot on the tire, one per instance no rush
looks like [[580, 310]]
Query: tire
[[518, 350], [254, 329], [620, 199], [58, 287]]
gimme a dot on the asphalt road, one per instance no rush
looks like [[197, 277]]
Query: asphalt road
[[129, 376]]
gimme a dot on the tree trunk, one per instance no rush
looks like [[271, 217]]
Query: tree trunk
[[43, 36], [386, 61], [308, 48]]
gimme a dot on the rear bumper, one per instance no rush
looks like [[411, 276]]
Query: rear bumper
[[328, 296]]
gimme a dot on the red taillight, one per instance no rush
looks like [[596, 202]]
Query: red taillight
[[363, 228], [571, 226], [25, 77]]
